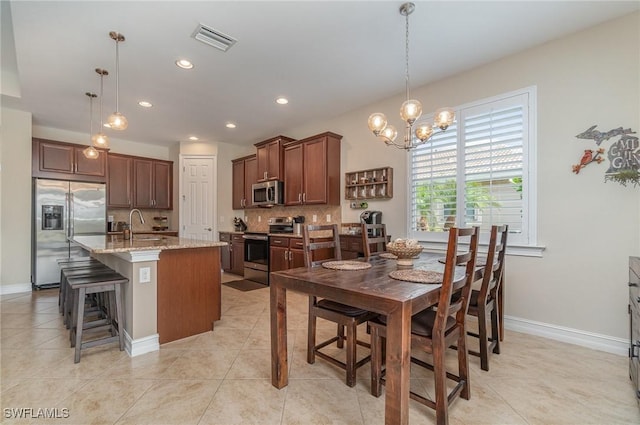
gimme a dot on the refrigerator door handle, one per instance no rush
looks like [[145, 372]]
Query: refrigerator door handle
[[70, 215]]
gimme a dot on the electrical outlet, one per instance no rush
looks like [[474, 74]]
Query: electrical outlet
[[353, 205], [328, 218], [314, 218], [145, 274]]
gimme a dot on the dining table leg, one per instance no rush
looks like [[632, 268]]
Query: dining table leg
[[398, 365], [278, 309]]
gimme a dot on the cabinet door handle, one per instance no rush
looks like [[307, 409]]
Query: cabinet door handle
[[633, 284], [290, 255], [304, 197], [208, 228], [266, 173], [299, 197], [285, 256]]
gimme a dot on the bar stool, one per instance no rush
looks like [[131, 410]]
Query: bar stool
[[68, 263], [99, 283], [81, 271]]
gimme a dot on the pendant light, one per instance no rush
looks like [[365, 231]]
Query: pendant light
[[100, 140], [91, 152], [410, 110], [117, 121]]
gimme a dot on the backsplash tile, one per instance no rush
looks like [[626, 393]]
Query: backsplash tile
[[321, 211]]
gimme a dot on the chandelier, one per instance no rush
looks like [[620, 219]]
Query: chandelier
[[410, 110], [91, 152], [100, 140], [117, 121]]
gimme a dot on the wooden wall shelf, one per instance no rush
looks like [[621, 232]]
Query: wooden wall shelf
[[376, 183]]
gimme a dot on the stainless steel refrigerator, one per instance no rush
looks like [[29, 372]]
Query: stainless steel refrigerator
[[62, 209]]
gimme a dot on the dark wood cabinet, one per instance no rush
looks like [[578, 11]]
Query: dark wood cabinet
[[152, 184], [119, 181], [285, 253], [634, 324], [59, 160], [288, 253], [269, 154], [244, 174], [312, 170], [237, 254], [225, 251]]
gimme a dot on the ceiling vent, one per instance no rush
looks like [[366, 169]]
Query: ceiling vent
[[213, 37]]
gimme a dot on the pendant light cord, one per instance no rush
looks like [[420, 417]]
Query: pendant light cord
[[407, 54], [117, 77]]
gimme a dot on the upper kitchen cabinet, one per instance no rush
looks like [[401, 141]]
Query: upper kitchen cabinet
[[152, 183], [119, 181], [312, 170], [270, 158], [58, 160], [244, 174]]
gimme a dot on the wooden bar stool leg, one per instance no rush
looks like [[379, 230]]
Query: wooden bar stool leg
[[119, 315], [79, 323], [351, 354]]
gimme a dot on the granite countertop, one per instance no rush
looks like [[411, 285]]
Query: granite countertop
[[108, 244], [146, 232]]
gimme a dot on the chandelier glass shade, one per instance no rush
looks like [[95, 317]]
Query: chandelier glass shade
[[91, 152], [411, 109], [117, 121], [99, 139]]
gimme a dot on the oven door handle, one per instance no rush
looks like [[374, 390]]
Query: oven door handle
[[256, 237]]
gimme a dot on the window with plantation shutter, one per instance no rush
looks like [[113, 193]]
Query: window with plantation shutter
[[478, 172]]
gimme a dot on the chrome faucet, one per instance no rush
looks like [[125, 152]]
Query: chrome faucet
[[131, 222]]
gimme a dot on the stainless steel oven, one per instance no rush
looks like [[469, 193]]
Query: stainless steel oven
[[256, 257]]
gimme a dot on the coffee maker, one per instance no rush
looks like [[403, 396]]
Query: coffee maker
[[371, 217]]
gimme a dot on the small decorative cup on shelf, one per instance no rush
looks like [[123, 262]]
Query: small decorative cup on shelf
[[405, 250]]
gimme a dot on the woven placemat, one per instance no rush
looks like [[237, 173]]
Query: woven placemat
[[418, 276], [346, 265], [388, 256]]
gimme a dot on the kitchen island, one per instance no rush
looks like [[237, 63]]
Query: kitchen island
[[173, 290]]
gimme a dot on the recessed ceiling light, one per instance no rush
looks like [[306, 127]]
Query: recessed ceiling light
[[194, 138], [282, 100], [184, 64], [145, 104], [230, 125]]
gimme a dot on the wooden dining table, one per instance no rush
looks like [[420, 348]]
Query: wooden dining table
[[371, 289]]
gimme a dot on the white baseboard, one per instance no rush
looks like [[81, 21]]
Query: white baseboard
[[592, 340], [142, 345], [15, 288]]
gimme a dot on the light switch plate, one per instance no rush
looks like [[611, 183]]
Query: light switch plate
[[145, 274]]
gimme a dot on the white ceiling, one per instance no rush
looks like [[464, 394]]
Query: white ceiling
[[327, 57]]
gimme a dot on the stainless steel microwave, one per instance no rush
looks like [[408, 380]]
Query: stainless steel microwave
[[267, 194]]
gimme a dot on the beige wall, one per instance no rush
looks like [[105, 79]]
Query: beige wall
[[15, 200], [589, 227]]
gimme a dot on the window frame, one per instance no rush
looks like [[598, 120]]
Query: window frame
[[527, 243]]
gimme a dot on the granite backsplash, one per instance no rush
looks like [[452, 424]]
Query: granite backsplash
[[258, 219]]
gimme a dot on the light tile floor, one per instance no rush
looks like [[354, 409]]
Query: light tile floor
[[223, 377]]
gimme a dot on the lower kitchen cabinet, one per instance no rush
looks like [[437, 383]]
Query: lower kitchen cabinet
[[232, 255], [237, 254], [288, 253], [285, 253], [352, 246]]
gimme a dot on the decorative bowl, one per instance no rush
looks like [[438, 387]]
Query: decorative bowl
[[404, 252]]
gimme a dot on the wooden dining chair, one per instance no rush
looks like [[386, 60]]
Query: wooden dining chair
[[379, 240], [484, 302], [343, 315], [435, 329]]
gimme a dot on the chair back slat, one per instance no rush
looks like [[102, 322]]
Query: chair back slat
[[329, 231], [455, 291], [380, 240], [494, 267]]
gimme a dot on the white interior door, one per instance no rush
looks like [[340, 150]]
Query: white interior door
[[198, 187]]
